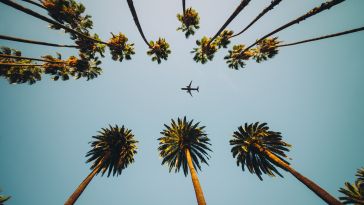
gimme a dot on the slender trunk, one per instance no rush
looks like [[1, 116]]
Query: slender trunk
[[324, 6], [35, 3], [73, 198], [46, 19], [184, 7], [9, 38], [195, 181], [26, 58], [270, 7], [136, 21], [15, 64], [310, 184], [241, 6], [323, 37]]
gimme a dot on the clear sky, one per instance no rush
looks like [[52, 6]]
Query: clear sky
[[312, 93]]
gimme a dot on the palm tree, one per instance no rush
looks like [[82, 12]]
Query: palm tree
[[112, 150], [159, 49], [10, 38], [19, 69], [238, 9], [354, 193], [189, 19], [323, 37], [232, 60], [185, 144], [261, 150], [268, 48], [312, 12], [48, 20], [67, 17], [207, 47], [265, 10]]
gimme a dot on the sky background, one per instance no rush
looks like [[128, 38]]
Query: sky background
[[312, 93]]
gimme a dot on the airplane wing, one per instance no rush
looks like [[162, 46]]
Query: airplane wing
[[190, 84], [189, 91]]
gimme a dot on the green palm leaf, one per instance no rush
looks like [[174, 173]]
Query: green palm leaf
[[114, 148], [354, 193], [178, 137], [248, 143]]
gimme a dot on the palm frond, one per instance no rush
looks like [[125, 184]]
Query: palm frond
[[178, 137], [245, 148], [114, 148], [190, 22], [354, 193]]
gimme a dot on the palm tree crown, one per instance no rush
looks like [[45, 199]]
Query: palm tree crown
[[178, 137], [250, 141], [113, 149], [354, 193]]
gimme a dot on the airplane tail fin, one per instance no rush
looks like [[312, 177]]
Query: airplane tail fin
[[197, 89]]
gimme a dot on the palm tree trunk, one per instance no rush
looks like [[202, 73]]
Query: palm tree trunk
[[136, 21], [19, 64], [270, 7], [323, 37], [73, 198], [241, 6], [324, 6], [184, 7], [310, 184], [46, 19], [9, 38], [27, 58], [195, 181], [35, 3]]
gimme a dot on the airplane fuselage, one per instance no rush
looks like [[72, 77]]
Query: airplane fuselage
[[189, 88]]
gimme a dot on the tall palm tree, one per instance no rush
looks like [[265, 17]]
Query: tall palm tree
[[261, 14], [323, 37], [190, 20], [268, 48], [261, 150], [112, 150], [48, 20], [324, 6], [185, 144], [78, 27], [19, 69], [354, 193], [237, 59], [207, 47], [22, 40], [238, 9], [159, 49]]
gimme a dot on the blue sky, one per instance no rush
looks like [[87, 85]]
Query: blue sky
[[312, 93]]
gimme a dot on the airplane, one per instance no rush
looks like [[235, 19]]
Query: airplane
[[189, 89]]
